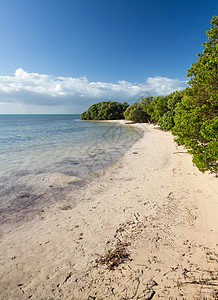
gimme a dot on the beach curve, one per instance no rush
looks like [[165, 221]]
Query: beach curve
[[152, 204]]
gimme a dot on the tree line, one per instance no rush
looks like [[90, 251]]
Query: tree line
[[191, 114]]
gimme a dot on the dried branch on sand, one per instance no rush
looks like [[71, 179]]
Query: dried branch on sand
[[113, 258]]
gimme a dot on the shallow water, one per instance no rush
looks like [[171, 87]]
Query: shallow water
[[45, 154]]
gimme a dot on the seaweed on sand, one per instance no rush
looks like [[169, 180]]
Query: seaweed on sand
[[113, 258]]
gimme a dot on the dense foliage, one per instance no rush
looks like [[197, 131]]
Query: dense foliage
[[137, 112], [162, 109], [167, 119], [110, 110], [196, 120], [159, 110]]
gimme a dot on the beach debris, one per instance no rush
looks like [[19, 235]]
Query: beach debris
[[20, 285], [66, 207], [68, 277], [113, 258]]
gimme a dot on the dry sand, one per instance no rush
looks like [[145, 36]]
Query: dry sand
[[152, 210]]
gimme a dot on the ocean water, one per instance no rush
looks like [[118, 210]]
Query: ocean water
[[43, 155]]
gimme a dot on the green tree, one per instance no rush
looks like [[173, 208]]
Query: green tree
[[167, 120], [110, 110], [196, 120], [157, 108], [137, 112]]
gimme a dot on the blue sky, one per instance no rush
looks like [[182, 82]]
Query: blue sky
[[60, 56]]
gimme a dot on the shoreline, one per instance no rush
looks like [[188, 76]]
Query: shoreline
[[153, 202], [45, 188]]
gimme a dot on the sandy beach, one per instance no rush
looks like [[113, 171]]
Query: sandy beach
[[145, 228]]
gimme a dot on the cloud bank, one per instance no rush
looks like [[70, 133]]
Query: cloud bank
[[39, 89]]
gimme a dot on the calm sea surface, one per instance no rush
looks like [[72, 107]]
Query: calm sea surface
[[44, 153]]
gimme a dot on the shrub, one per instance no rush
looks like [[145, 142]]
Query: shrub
[[110, 110], [196, 119], [137, 112]]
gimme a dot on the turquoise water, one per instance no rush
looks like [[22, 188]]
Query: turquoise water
[[45, 154]]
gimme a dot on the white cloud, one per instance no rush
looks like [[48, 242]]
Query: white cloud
[[40, 89]]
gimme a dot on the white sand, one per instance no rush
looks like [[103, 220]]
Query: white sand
[[152, 199]]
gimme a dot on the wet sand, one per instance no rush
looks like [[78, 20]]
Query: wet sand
[[145, 228]]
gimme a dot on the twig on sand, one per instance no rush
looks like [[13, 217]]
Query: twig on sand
[[136, 291], [115, 257], [180, 152]]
